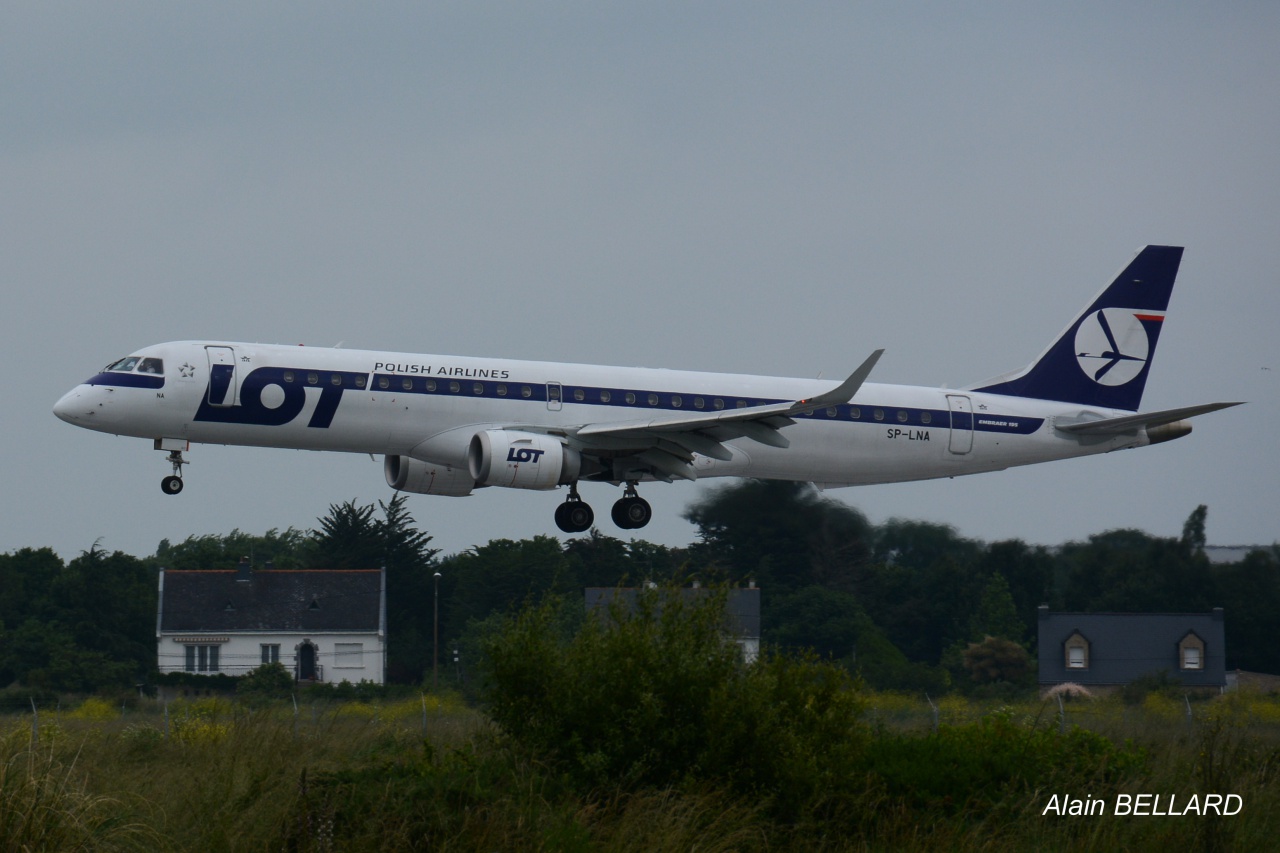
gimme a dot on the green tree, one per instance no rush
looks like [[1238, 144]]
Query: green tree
[[600, 560], [503, 575], [996, 614], [1129, 570], [784, 535], [285, 549], [1193, 535], [353, 537], [1029, 573], [89, 624], [1249, 593], [996, 659]]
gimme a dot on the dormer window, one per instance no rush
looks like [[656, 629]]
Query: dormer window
[[1191, 652], [1076, 651]]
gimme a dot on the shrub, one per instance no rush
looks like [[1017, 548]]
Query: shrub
[[975, 767], [96, 709], [268, 682], [660, 697], [996, 659]]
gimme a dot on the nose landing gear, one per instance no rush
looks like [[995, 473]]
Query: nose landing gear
[[171, 485]]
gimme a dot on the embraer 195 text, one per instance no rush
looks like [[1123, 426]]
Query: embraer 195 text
[[448, 425]]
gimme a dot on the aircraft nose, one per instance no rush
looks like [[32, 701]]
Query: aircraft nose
[[71, 408]]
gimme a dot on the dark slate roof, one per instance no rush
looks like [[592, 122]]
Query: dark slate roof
[[742, 606], [271, 600], [1127, 646]]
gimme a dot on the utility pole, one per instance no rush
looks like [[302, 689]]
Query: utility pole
[[435, 639]]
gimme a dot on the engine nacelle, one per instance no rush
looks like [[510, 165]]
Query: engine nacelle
[[406, 474], [1168, 432], [521, 460]]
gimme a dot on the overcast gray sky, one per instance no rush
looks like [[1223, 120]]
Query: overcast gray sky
[[741, 187]]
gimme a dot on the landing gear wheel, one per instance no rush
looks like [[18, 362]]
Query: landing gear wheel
[[574, 516], [631, 513], [171, 485]]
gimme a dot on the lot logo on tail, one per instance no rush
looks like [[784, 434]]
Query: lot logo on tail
[[1112, 345]]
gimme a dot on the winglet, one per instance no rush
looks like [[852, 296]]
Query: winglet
[[842, 393]]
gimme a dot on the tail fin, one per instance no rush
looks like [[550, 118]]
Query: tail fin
[[1103, 357]]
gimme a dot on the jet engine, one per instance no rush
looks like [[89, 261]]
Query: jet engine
[[521, 460], [406, 474]]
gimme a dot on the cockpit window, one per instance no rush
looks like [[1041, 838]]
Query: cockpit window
[[141, 365], [124, 365]]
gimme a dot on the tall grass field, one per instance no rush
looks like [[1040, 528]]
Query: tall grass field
[[431, 773]]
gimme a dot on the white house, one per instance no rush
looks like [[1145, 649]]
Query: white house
[[324, 625]]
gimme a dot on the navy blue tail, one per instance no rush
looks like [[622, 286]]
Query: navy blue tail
[[1103, 357]]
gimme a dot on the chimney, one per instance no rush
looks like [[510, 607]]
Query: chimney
[[244, 572]]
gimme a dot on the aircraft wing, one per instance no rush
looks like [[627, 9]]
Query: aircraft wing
[[1129, 423], [667, 444]]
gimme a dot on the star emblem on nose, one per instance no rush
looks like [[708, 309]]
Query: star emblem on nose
[[187, 371]]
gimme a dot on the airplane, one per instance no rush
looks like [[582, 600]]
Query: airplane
[[449, 425]]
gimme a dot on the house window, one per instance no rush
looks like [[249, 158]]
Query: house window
[[271, 653], [1191, 658], [201, 658], [1076, 649], [348, 655]]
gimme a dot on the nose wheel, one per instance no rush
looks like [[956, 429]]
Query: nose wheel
[[574, 515], [631, 511], [172, 484]]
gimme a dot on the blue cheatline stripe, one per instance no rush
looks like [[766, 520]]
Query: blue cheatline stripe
[[642, 399], [127, 380]]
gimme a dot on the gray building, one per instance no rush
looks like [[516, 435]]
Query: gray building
[[1114, 649], [741, 617]]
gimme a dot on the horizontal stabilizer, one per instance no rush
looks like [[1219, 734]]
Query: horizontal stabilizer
[[1129, 423]]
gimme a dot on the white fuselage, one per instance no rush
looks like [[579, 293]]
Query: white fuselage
[[429, 407]]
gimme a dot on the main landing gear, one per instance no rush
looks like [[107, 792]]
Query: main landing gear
[[574, 515], [171, 485], [629, 513]]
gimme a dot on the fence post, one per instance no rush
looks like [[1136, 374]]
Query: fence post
[[35, 722]]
